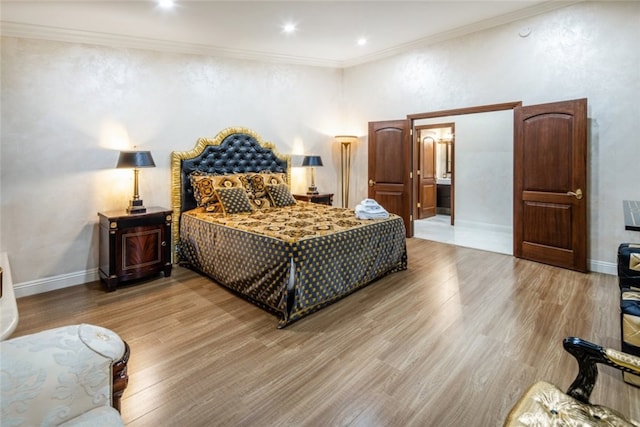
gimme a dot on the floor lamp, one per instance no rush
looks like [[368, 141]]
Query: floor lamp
[[345, 157]]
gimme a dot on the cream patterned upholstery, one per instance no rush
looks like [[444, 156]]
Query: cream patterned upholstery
[[60, 377]]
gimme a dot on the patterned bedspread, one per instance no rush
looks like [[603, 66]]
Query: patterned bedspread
[[292, 260]]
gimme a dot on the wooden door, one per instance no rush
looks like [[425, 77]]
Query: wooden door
[[550, 178], [426, 174], [390, 171]]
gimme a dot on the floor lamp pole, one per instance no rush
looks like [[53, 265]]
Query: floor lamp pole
[[346, 172]]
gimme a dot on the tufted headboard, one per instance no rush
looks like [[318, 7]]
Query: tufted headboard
[[233, 150]]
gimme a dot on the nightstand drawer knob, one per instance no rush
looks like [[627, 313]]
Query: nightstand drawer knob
[[168, 217], [113, 225], [164, 243]]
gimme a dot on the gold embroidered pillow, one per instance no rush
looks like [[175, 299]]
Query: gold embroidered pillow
[[244, 179], [203, 190], [274, 178], [204, 186], [280, 195], [256, 183], [227, 181], [233, 200], [257, 193]]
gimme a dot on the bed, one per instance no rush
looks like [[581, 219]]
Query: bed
[[235, 221]]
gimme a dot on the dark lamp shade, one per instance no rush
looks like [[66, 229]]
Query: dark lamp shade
[[135, 159], [312, 161]]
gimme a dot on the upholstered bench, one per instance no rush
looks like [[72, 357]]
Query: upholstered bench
[[629, 265], [68, 376], [630, 321]]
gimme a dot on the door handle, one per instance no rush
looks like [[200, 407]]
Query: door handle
[[577, 194], [371, 183]]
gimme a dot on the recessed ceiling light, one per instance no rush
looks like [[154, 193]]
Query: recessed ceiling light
[[289, 28], [362, 41], [166, 4]]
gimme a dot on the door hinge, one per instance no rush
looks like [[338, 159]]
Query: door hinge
[[410, 175], [418, 205], [418, 172], [411, 131], [410, 217]]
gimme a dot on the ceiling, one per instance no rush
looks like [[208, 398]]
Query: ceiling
[[326, 33]]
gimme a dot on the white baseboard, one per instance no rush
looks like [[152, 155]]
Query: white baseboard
[[603, 267], [80, 277], [55, 282]]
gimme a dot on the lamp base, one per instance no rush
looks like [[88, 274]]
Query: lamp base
[[312, 190], [136, 207]]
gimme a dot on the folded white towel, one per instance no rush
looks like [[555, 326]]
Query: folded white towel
[[370, 209]]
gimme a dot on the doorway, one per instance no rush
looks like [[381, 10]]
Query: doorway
[[546, 181], [480, 180], [436, 166]]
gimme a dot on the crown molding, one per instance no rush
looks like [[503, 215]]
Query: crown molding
[[41, 32], [486, 24]]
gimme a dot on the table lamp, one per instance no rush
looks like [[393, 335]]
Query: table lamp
[[135, 160], [312, 162]]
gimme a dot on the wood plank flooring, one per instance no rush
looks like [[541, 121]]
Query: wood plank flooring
[[452, 341]]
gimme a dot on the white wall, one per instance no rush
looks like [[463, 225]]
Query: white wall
[[589, 49], [67, 109]]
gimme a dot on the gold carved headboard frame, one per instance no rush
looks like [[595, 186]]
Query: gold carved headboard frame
[[233, 150]]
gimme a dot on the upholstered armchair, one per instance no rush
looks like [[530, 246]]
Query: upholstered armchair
[[546, 405], [68, 376]]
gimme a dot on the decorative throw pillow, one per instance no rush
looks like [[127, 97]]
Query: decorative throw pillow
[[274, 178], [256, 181], [204, 186], [244, 179], [227, 181], [280, 195], [257, 192], [203, 189], [233, 200]]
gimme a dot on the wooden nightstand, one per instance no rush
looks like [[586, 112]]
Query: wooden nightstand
[[134, 246], [323, 199]]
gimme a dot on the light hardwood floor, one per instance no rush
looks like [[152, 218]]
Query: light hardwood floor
[[452, 341]]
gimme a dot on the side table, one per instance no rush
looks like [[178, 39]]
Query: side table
[[323, 199], [134, 246]]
